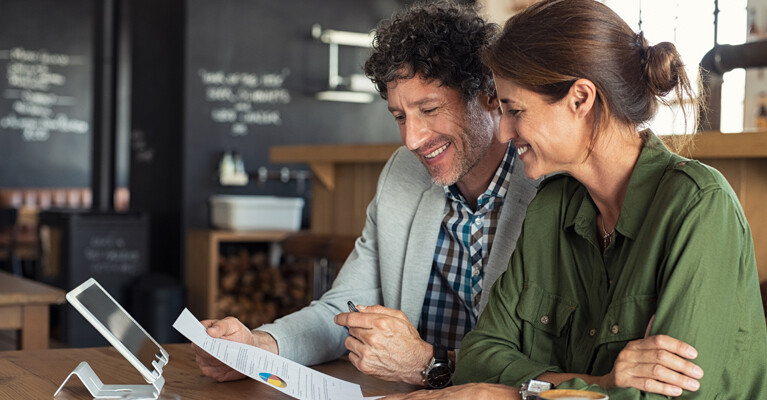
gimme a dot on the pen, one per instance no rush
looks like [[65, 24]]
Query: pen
[[352, 308]]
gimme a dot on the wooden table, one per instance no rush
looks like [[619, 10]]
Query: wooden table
[[36, 374], [24, 305]]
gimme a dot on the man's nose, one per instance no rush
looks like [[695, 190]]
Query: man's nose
[[416, 133]]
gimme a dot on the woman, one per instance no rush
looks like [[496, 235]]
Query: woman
[[632, 252]]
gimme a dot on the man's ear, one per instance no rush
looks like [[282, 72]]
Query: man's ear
[[581, 97], [488, 101]]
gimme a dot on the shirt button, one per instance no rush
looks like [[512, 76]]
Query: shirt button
[[615, 329], [478, 221], [592, 332], [545, 319], [474, 271]]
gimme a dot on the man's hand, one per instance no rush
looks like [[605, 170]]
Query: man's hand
[[232, 329], [656, 364], [474, 391], [383, 343]]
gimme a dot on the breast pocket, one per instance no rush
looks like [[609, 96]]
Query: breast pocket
[[547, 319], [626, 320]]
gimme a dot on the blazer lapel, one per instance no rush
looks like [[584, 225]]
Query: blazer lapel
[[420, 251]]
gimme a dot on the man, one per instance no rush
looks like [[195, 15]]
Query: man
[[443, 223]]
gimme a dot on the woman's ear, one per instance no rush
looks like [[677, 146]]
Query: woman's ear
[[581, 97]]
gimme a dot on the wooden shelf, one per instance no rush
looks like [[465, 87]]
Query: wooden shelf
[[708, 144], [337, 154], [344, 181], [726, 145], [202, 256], [325, 160]]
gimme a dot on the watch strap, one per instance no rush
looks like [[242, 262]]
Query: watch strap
[[440, 354], [439, 365]]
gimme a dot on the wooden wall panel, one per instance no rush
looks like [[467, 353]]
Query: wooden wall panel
[[754, 199], [748, 178], [323, 208], [355, 187]]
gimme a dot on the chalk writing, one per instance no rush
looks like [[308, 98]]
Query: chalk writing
[[241, 99], [142, 152], [110, 253], [35, 80]]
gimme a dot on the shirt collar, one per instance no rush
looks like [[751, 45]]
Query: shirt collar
[[498, 186], [650, 167]]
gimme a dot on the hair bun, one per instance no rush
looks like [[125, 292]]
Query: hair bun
[[661, 66]]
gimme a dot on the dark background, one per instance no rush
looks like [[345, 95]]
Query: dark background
[[167, 145], [272, 37], [56, 27]]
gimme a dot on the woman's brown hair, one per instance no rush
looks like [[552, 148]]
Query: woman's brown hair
[[553, 43]]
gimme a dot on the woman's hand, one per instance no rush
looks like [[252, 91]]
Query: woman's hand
[[656, 364]]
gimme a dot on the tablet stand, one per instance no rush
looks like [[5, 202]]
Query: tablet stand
[[126, 336], [125, 392]]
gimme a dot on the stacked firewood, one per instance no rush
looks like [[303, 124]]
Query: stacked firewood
[[256, 292]]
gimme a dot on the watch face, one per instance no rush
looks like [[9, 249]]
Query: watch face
[[439, 376]]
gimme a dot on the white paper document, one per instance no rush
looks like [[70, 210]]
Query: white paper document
[[282, 374]]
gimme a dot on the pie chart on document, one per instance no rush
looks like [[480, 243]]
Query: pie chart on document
[[273, 380]]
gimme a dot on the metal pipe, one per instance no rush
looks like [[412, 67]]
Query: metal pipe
[[718, 61], [104, 88], [333, 78]]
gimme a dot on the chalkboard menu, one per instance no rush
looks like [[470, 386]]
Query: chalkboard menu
[[45, 92], [253, 70], [111, 247]]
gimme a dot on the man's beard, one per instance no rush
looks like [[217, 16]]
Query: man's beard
[[475, 144]]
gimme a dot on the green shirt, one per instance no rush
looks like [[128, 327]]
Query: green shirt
[[682, 250]]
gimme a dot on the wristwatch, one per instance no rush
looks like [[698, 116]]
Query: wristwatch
[[533, 388], [438, 373]]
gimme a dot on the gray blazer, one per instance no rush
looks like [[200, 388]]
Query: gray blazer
[[392, 259]]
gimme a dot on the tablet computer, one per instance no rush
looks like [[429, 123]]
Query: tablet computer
[[119, 328]]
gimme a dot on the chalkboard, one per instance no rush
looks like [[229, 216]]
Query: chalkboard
[[252, 71], [111, 247], [112, 252], [45, 92]]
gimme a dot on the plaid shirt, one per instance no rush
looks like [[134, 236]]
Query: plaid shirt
[[451, 305]]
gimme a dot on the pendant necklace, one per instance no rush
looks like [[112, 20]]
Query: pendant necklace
[[607, 237]]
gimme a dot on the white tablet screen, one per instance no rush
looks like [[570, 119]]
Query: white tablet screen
[[118, 322]]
